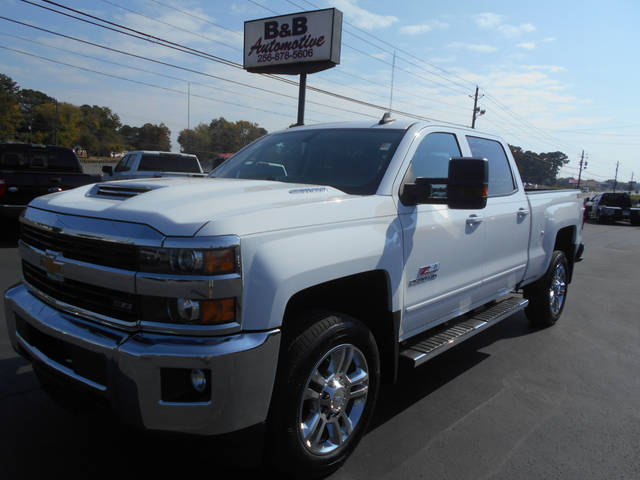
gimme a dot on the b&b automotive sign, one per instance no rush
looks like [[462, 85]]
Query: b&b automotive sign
[[304, 42]]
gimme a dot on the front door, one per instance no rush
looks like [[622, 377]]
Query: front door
[[443, 248]]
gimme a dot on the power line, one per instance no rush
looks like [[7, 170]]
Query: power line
[[199, 53], [362, 52], [147, 84], [180, 29], [191, 70], [171, 77], [202, 19], [465, 87]]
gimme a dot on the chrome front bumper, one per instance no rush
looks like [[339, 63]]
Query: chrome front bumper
[[242, 366]]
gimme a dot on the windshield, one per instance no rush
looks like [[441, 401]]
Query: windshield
[[352, 160], [616, 200]]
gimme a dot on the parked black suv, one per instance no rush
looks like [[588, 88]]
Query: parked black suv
[[611, 207], [29, 170]]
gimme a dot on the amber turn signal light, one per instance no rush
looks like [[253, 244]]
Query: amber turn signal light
[[218, 311]]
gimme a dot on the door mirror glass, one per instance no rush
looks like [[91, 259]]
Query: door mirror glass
[[108, 169], [467, 184]]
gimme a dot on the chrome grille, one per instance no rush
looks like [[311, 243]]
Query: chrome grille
[[111, 303], [109, 254]]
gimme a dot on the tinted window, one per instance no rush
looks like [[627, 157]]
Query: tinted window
[[14, 157], [431, 160], [621, 200], [63, 159], [168, 163], [352, 160], [23, 157], [500, 178], [123, 165]]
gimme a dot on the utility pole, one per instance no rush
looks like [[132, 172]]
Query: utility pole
[[56, 129], [583, 166], [615, 180], [393, 68], [476, 109], [631, 184], [188, 105]]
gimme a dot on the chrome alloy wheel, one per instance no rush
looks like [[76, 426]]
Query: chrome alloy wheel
[[558, 289], [333, 399]]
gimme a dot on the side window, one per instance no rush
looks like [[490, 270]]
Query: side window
[[500, 177], [123, 165], [431, 160]]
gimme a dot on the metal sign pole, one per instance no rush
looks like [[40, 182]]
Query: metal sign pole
[[301, 98]]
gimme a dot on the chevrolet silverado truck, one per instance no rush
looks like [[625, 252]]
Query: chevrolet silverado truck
[[28, 170], [148, 164], [286, 287]]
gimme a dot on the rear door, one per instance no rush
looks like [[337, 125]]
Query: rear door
[[442, 247], [507, 220]]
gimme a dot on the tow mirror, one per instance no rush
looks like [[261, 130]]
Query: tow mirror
[[467, 183], [108, 169]]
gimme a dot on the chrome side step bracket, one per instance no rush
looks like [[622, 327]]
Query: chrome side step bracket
[[440, 339]]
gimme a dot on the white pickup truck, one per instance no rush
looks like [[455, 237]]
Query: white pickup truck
[[151, 164], [287, 286]]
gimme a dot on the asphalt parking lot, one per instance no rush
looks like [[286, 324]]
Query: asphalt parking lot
[[511, 403]]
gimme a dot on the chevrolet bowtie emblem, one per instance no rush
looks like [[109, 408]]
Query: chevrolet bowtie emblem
[[51, 264]]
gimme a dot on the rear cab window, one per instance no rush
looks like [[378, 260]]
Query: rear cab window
[[501, 180], [26, 157], [168, 163]]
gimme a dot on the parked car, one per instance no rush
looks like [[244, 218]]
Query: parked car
[[148, 164], [29, 170], [286, 289], [610, 207]]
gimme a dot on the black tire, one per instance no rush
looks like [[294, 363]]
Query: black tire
[[545, 308], [599, 218], [328, 334]]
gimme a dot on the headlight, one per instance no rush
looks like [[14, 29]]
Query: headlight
[[188, 261]]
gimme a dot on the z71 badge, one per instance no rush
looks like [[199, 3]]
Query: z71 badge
[[426, 273]]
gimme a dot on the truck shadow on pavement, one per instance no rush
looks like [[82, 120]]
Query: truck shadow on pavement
[[43, 439], [415, 384]]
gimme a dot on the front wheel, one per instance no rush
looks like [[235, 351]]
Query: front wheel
[[547, 295], [325, 394]]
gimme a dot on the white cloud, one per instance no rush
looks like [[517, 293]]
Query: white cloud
[[527, 45], [549, 39], [423, 28], [495, 21], [363, 18], [488, 20], [548, 68], [474, 47]]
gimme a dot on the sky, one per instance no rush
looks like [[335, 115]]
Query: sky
[[552, 75]]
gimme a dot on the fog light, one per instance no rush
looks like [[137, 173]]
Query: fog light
[[198, 380], [189, 310]]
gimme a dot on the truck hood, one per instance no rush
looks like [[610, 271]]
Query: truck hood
[[183, 206]]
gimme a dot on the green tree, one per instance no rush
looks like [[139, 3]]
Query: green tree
[[538, 168], [10, 115], [33, 121], [220, 136], [147, 137], [99, 130]]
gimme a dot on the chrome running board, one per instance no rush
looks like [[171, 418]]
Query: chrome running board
[[440, 339]]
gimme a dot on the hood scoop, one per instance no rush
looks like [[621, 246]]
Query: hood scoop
[[119, 191]]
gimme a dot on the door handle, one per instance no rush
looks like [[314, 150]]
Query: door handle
[[522, 212], [474, 220]]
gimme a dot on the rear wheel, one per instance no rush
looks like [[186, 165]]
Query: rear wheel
[[547, 296], [325, 394]]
